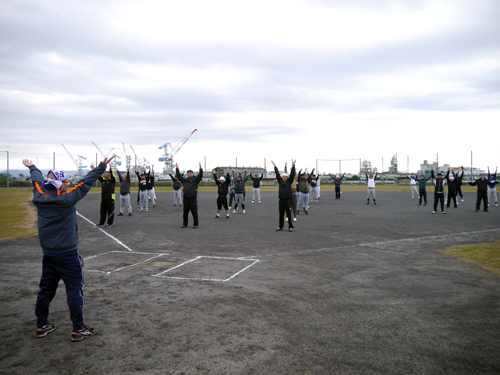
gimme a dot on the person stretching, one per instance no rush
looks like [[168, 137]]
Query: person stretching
[[107, 197], [482, 195], [176, 185], [143, 190], [439, 189], [413, 184], [371, 187], [190, 185], [124, 192], [256, 186], [452, 190], [314, 186], [239, 191], [459, 184], [222, 190], [285, 196], [422, 192], [303, 191], [150, 179], [294, 196], [337, 180], [492, 189]]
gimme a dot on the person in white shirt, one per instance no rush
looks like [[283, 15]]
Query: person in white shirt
[[413, 184], [371, 187]]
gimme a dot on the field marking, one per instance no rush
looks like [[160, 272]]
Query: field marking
[[125, 252], [107, 234], [202, 279], [380, 243]]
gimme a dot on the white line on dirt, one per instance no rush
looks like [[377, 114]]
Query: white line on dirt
[[107, 234]]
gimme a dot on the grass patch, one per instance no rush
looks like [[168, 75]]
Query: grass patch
[[486, 255], [18, 218]]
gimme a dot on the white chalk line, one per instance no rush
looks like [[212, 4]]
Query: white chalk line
[[203, 279], [379, 243], [107, 234], [130, 265]]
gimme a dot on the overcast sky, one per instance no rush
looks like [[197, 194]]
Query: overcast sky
[[274, 80]]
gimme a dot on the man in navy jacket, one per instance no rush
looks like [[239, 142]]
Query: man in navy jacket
[[58, 235]]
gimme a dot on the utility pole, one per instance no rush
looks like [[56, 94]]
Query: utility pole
[[8, 176]]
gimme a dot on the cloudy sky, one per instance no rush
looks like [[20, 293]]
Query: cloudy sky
[[260, 80]]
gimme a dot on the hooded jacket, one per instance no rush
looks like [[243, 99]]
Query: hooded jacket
[[57, 228]]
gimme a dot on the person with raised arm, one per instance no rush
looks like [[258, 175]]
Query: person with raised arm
[[256, 186], [58, 236], [482, 188], [176, 186], [124, 192], [190, 194], [492, 188], [107, 210], [143, 189], [222, 191], [370, 180], [285, 196], [239, 191], [338, 181], [439, 182]]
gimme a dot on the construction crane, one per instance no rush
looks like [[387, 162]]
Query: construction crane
[[128, 158], [143, 163], [168, 158], [114, 162], [77, 160]]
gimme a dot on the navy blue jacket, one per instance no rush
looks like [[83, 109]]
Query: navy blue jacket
[[57, 229]]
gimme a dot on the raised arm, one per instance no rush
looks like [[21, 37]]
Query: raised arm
[[200, 175]]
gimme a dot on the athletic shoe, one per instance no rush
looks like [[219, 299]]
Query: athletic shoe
[[433, 212], [217, 216], [375, 203], [120, 214], [45, 330], [109, 226], [425, 204], [195, 226], [477, 210], [129, 214], [368, 202], [307, 213], [227, 217], [244, 211], [259, 202], [184, 226], [98, 225], [462, 199], [278, 229], [253, 201], [496, 204], [443, 212], [146, 210], [154, 206], [294, 219], [175, 205], [83, 333], [486, 211], [286, 218], [234, 211], [140, 209], [290, 230]]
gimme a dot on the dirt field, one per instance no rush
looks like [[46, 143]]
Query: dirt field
[[356, 289]]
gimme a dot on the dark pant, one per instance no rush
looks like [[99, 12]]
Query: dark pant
[[294, 203], [68, 267], [222, 201], [107, 211], [484, 198], [452, 194], [190, 204], [438, 197], [337, 192], [284, 206], [422, 193], [231, 197], [459, 192]]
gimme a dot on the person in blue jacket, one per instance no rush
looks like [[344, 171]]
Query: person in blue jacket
[[58, 235]]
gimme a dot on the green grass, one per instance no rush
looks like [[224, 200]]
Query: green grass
[[486, 255], [16, 218]]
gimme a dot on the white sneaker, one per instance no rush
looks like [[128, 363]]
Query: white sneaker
[[253, 201], [140, 209], [433, 212], [146, 210], [259, 202], [234, 211], [496, 204], [462, 199], [244, 211]]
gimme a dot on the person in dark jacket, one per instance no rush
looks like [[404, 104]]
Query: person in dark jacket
[[285, 196], [143, 189], [337, 180], [124, 192], [150, 180], [439, 189], [256, 186], [190, 193], [239, 191], [176, 185], [459, 178], [482, 191], [452, 191], [107, 198], [422, 191], [58, 235], [303, 182], [222, 191]]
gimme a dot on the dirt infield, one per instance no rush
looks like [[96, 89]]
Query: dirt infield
[[356, 289]]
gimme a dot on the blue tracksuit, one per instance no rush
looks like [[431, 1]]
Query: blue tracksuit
[[58, 235]]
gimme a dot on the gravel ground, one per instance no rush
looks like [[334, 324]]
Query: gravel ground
[[355, 289]]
